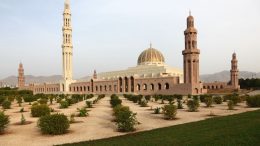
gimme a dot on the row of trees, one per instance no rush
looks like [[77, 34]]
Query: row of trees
[[249, 83]]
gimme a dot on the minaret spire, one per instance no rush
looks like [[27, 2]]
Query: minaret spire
[[67, 47]]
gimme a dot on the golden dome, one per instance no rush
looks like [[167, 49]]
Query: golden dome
[[150, 56]]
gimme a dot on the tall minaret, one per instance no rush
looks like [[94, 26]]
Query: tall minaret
[[234, 72], [67, 47], [191, 54], [21, 78]]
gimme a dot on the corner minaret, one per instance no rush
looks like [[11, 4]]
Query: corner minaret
[[191, 54], [21, 78], [67, 47], [234, 72]]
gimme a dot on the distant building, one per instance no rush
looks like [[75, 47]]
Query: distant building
[[150, 76]]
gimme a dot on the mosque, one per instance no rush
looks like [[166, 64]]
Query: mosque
[[151, 75]]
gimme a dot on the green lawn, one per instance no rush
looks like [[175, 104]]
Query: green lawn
[[242, 129]]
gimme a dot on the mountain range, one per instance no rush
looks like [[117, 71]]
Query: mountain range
[[223, 76]]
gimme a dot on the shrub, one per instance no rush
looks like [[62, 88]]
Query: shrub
[[179, 104], [64, 104], [143, 103], [43, 101], [234, 97], [29, 98], [23, 120], [89, 104], [218, 99], [19, 100], [2, 99], [4, 121], [11, 98], [40, 110], [119, 108], [51, 97], [169, 111], [208, 100], [156, 97], [202, 98], [193, 105], [95, 101], [147, 97], [6, 104], [157, 110], [115, 101], [253, 101], [230, 105], [72, 118], [54, 124], [125, 120], [82, 112], [35, 103]]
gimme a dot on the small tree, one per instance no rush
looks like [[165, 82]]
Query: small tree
[[4, 121], [23, 120], [40, 110], [72, 118], [208, 100], [230, 105], [51, 97], [125, 120], [55, 124], [147, 97], [89, 104], [193, 105], [19, 100], [64, 104], [169, 111], [218, 99], [157, 110], [115, 101], [6, 104], [143, 103], [82, 112]]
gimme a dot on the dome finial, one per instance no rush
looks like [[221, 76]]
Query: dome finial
[[190, 12], [151, 45]]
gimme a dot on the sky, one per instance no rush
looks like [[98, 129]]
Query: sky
[[109, 35]]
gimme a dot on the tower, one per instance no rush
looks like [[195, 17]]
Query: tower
[[95, 74], [21, 79], [234, 72], [191, 54], [67, 48]]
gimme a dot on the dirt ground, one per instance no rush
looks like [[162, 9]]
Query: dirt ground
[[99, 123]]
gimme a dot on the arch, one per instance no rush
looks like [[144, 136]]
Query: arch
[[197, 90], [132, 80], [100, 88], [110, 87], [159, 86], [167, 86], [208, 87], [105, 87], [126, 84], [120, 84], [212, 87], [88, 88], [152, 86], [81, 89], [96, 88], [138, 87], [144, 86], [77, 89], [85, 89], [221, 87]]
